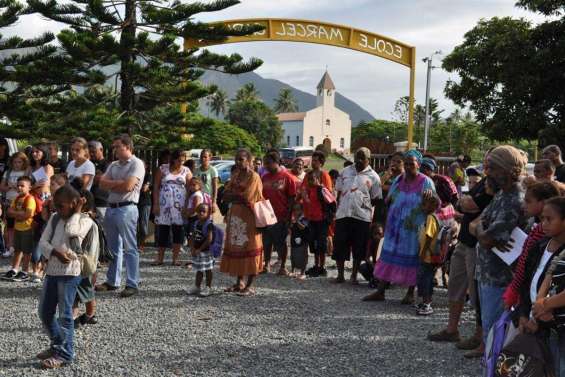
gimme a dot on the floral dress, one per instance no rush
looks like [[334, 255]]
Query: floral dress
[[399, 260], [172, 196]]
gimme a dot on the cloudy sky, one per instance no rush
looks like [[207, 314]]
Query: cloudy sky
[[374, 83]]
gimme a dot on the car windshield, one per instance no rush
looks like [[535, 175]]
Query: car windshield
[[287, 153]]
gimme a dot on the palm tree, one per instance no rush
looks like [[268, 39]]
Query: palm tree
[[218, 102], [247, 92], [285, 102]]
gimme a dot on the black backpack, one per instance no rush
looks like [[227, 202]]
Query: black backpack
[[106, 255]]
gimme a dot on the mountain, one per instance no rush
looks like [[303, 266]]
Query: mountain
[[269, 90]]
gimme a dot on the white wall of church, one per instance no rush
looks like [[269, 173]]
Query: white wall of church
[[293, 133], [338, 130]]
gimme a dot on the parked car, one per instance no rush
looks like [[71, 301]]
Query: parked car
[[224, 171], [216, 163], [288, 155]]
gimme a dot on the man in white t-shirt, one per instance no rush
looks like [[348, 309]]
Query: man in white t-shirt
[[359, 187]]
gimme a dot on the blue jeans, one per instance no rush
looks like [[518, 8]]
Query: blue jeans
[[120, 226], [557, 346], [59, 293], [492, 306], [426, 280]]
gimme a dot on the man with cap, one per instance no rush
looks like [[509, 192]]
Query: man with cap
[[359, 188], [504, 166]]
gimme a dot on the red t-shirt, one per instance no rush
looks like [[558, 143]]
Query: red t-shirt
[[279, 188], [313, 210]]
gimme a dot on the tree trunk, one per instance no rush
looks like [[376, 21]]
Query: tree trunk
[[127, 58]]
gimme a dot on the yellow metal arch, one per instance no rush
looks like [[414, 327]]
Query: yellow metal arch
[[308, 31]]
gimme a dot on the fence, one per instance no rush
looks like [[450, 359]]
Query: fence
[[379, 163]]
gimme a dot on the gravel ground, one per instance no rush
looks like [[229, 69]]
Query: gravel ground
[[290, 328]]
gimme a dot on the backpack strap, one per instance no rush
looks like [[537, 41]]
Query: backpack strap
[[54, 221]]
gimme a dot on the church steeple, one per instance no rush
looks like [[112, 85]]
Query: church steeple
[[326, 92]]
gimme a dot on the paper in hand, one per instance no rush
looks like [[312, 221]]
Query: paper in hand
[[40, 176], [519, 238]]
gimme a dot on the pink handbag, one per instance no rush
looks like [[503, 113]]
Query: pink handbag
[[264, 214]]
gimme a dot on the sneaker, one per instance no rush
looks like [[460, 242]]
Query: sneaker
[[7, 254], [193, 291], [322, 272], [426, 309], [35, 279], [419, 306], [205, 292], [21, 276], [311, 270], [444, 336], [10, 275], [105, 287], [128, 292]]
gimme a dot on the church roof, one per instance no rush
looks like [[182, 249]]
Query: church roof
[[289, 117], [326, 82]]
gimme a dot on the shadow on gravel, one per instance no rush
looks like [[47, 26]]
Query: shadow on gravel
[[15, 292], [19, 364]]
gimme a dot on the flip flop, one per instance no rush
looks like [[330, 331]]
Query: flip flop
[[233, 288], [246, 292]]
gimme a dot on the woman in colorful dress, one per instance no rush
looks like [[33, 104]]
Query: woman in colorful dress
[[243, 250], [399, 260], [169, 200]]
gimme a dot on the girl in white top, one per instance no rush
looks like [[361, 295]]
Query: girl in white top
[[81, 166], [41, 171]]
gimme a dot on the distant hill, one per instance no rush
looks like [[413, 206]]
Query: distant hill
[[269, 90]]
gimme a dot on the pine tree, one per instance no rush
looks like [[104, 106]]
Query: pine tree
[[18, 55], [135, 42]]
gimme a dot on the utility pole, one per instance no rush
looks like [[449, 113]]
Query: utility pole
[[428, 82]]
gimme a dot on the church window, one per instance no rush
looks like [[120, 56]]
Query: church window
[[329, 93], [297, 140], [342, 143], [328, 122], [311, 141], [288, 141]]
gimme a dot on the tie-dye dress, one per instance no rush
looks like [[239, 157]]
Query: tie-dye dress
[[399, 259]]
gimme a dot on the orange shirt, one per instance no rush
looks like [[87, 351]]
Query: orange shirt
[[313, 210]]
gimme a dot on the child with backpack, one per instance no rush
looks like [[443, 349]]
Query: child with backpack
[[428, 242], [298, 242], [22, 211], [85, 289], [200, 241], [18, 167], [66, 229]]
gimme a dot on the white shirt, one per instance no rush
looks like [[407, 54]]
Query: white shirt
[[77, 225], [357, 190], [541, 267], [87, 168]]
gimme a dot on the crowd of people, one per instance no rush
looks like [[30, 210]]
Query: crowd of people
[[404, 226]]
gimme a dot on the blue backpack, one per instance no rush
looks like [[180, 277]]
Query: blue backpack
[[217, 244]]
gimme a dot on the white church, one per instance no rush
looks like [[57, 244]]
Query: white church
[[325, 124]]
